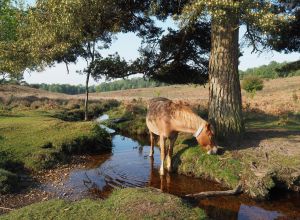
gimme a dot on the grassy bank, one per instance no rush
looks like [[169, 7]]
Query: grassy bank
[[190, 159], [35, 140], [122, 204], [129, 118], [268, 156]]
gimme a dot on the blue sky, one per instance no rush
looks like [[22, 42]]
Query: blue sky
[[127, 46]]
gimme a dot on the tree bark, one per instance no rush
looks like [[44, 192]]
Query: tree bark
[[86, 102], [225, 103], [91, 47]]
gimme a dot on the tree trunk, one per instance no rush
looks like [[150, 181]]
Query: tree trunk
[[225, 103], [86, 117]]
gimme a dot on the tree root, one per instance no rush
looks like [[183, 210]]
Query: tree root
[[4, 208], [235, 191]]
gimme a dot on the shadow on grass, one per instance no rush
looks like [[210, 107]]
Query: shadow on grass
[[254, 137], [14, 177], [261, 126]]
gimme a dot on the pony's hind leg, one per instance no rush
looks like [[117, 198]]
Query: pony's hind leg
[[162, 144], [152, 140], [170, 152]]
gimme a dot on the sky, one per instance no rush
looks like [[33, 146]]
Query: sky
[[127, 46]]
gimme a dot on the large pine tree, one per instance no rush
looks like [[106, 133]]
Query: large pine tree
[[260, 18]]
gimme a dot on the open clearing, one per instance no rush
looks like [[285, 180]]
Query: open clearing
[[271, 146]]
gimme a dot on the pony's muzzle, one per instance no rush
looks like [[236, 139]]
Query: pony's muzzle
[[213, 150]]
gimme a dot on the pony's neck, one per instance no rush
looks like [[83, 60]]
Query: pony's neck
[[188, 121]]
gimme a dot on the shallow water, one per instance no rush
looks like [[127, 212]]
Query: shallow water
[[128, 165]]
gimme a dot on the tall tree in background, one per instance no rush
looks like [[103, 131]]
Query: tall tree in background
[[63, 31], [260, 17]]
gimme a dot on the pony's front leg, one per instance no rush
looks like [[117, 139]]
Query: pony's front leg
[[162, 143], [151, 144], [170, 153]]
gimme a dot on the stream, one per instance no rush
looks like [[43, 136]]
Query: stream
[[128, 165]]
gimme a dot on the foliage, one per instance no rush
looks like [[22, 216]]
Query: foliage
[[180, 56], [13, 60], [65, 30], [287, 37], [95, 110], [252, 84], [102, 87], [128, 84], [260, 17], [273, 70], [127, 203]]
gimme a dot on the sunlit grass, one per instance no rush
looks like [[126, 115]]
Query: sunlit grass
[[122, 204]]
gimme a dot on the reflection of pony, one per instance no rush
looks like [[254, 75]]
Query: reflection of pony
[[166, 118]]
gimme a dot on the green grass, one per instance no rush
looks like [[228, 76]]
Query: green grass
[[127, 203], [135, 115], [190, 159], [35, 140]]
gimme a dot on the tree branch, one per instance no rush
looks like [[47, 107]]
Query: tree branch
[[252, 39], [201, 195]]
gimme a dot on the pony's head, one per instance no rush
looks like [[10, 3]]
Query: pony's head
[[206, 139]]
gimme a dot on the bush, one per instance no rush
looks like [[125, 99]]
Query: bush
[[252, 84]]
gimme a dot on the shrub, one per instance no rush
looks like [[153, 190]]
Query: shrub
[[252, 84]]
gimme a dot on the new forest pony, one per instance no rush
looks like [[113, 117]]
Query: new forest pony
[[166, 118]]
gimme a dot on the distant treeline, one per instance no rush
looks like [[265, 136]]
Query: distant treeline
[[273, 70], [103, 87]]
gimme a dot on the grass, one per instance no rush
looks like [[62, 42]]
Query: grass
[[134, 115], [130, 203], [35, 140], [190, 159]]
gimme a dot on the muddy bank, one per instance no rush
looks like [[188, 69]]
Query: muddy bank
[[34, 192]]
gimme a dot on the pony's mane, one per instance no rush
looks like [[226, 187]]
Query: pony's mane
[[186, 115]]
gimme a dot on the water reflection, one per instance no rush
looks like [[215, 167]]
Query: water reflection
[[129, 166]]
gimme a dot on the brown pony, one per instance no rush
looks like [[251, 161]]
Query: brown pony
[[166, 118]]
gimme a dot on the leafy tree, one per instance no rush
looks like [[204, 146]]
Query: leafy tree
[[13, 61], [63, 30], [180, 56], [260, 18]]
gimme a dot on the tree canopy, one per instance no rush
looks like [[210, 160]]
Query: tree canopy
[[13, 60]]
